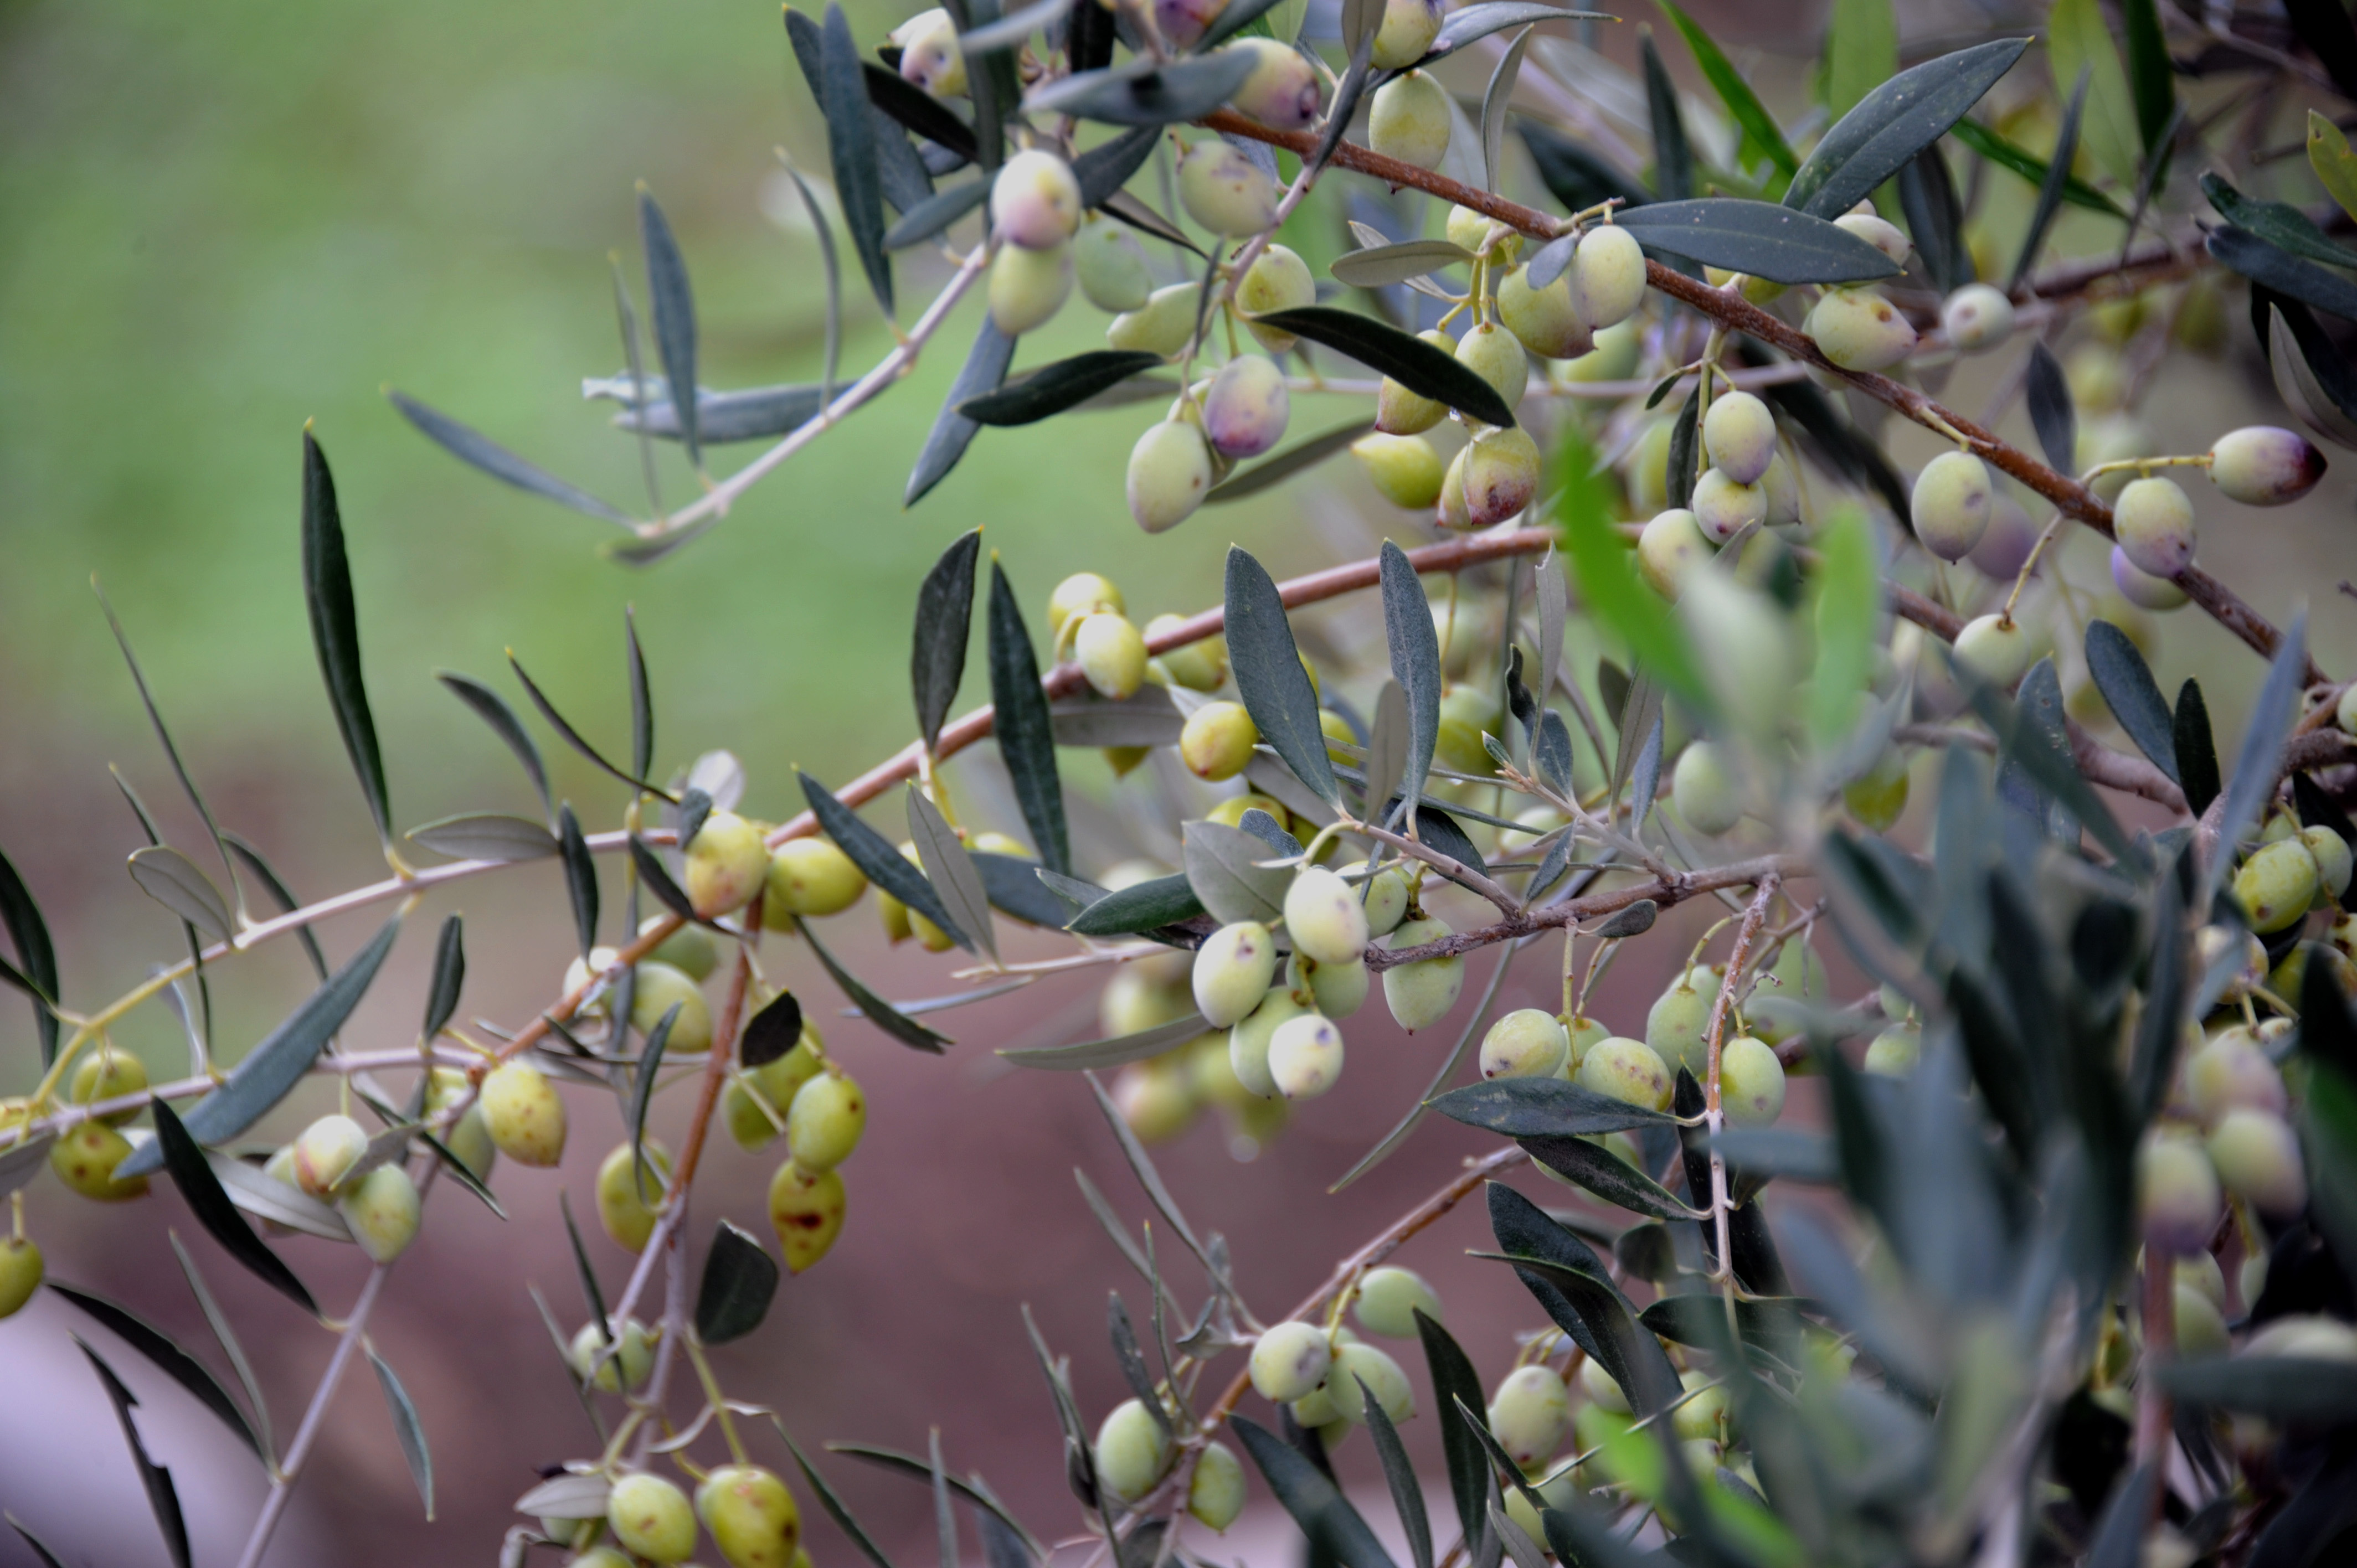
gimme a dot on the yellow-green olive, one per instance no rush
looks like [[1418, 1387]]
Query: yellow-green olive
[[651, 1517], [806, 1209]]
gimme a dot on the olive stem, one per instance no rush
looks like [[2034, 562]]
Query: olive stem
[[1714, 1113], [718, 1401], [1448, 865], [282, 1484], [1674, 889], [2021, 578]]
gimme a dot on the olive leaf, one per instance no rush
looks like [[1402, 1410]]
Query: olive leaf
[[771, 1032], [875, 855], [851, 148], [573, 737], [1494, 99], [175, 881], [642, 1094], [477, 450], [1377, 266], [1270, 678], [21, 1162], [1221, 868], [1053, 388], [1574, 173], [1012, 885], [1106, 167], [1385, 764], [1300, 457], [1672, 154], [953, 431], [2126, 682], [1575, 1287], [485, 836], [2310, 377], [2050, 189], [1149, 718], [493, 709], [877, 1011], [722, 418], [944, 617], [407, 1429], [951, 871], [1023, 726], [176, 1151], [271, 1069], [1935, 219], [167, 1358], [1543, 1107], [1414, 363], [449, 977], [2079, 41], [674, 312], [162, 1499], [1335, 1528], [1761, 135], [580, 876], [1146, 93], [2256, 764], [334, 631], [2263, 262], [739, 1280], [935, 213], [1758, 238], [1606, 1174], [1141, 907], [1893, 123], [2279, 223], [2007, 155], [1112, 1052], [2051, 412]]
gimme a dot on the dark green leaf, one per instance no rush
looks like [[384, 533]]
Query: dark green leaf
[[1113, 1052], [770, 1033], [1141, 907], [1471, 24], [851, 148], [2052, 414], [1129, 210], [1894, 123], [573, 737], [917, 1469], [1606, 1174], [953, 431], [1414, 363], [2197, 751], [161, 1498], [2050, 189], [449, 976], [1414, 648], [1574, 173], [658, 881], [170, 1359], [831, 1502], [935, 213], [1674, 174], [1053, 388], [876, 856], [2281, 1388], [2005, 155], [1105, 169], [877, 1011], [1502, 1468], [1143, 92], [282, 895], [591, 1296], [642, 1094], [2281, 270], [485, 836], [1935, 219], [227, 1338], [334, 631], [1132, 1361], [1454, 1381], [642, 703], [1634, 920], [1012, 887], [1579, 1295], [1399, 1475], [494, 711], [1700, 1320], [739, 1279], [1333, 1526], [1023, 726], [2258, 764], [1760, 135], [473, 447], [1528, 1106], [1300, 457], [1779, 1152], [2121, 675], [753, 413], [1223, 870], [951, 871], [1684, 442], [408, 1429], [2150, 75], [30, 936], [2029, 736], [176, 1151], [171, 752], [175, 881], [272, 1069], [674, 312], [1270, 678], [580, 876], [2279, 223]]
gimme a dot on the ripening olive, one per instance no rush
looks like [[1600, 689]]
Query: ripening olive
[[1751, 1081], [1677, 1026], [1233, 972], [1278, 280], [625, 1209], [325, 1152], [1305, 1055], [1112, 655], [108, 1073], [1525, 1043], [1496, 356], [2140, 587], [1626, 1070], [1404, 469], [1222, 190], [655, 990], [1323, 917], [807, 876], [1282, 91], [1337, 990], [651, 1517], [1859, 329], [823, 1124], [85, 1159], [382, 1211], [1356, 1363], [1745, 644], [1950, 504], [1109, 266], [2277, 885], [2176, 1191], [1245, 411], [1739, 435], [2006, 544], [1879, 233], [1215, 1493], [1169, 474], [1217, 740], [1722, 509], [20, 1274], [1389, 1298], [2153, 523], [1132, 1451], [1530, 1414], [1183, 22], [523, 1114], [1601, 1388], [1155, 1099], [1672, 545], [1996, 648], [806, 1209], [2232, 1070], [2256, 1156], [750, 1515], [1405, 35], [1410, 120], [931, 56], [1399, 412], [2263, 466], [1501, 474], [726, 864], [1608, 277], [626, 1368], [1289, 1361], [1035, 200], [1420, 994], [1163, 325], [777, 1082], [1385, 900], [1894, 1052], [1028, 287], [1976, 317], [1198, 666], [1702, 1417], [1545, 319]]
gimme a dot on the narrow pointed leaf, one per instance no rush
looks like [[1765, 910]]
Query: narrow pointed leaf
[[334, 631], [831, 1502], [2079, 41], [259, 1423], [1494, 99], [878, 858], [2051, 412], [580, 876], [2335, 166], [2280, 270], [171, 752], [1543, 1107], [1012, 883], [1471, 24], [953, 431], [851, 145], [1607, 1176], [1893, 123], [168, 1358], [485, 836], [449, 976], [951, 871], [1379, 266], [175, 881], [1222, 869], [1112, 1052], [1673, 177], [2029, 166], [2050, 189], [1414, 363], [1143, 92], [591, 1296], [1758, 238], [472, 448], [1053, 388], [1760, 134], [573, 737], [1143, 907], [1141, 1166], [916, 1470], [673, 303], [2196, 748], [1333, 1526], [877, 1011], [1274, 469], [494, 711], [162, 1499], [1270, 678], [39, 1548], [1385, 764], [408, 1429], [1023, 726], [272, 1069], [2258, 762], [935, 213], [1935, 219], [739, 1280], [2121, 675], [648, 1179], [657, 879], [36, 958], [177, 1152], [1132, 1361]]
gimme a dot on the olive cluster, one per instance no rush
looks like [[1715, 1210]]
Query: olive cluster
[[748, 1512]]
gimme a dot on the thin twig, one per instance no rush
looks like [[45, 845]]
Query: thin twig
[[282, 1486], [1714, 1116]]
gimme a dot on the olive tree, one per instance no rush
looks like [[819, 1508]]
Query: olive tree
[[2080, 1284]]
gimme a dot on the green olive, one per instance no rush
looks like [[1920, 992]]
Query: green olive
[[1545, 319], [1109, 266], [625, 1208], [1525, 1043], [1163, 325], [2277, 885], [806, 1209], [1278, 280], [2153, 523], [1132, 1451], [325, 1152], [1248, 1041], [1217, 740], [750, 1515], [1405, 33], [655, 990], [382, 1211], [1626, 1070], [1222, 190], [1705, 789], [1859, 329], [108, 1073], [1112, 655], [1530, 1414], [1289, 1361], [1677, 1027], [825, 1121], [1669, 549], [1404, 469], [1389, 1298], [1169, 474], [1028, 287], [2257, 1156], [85, 1159], [1357, 1363], [809, 877], [1409, 120], [726, 864], [1420, 994], [1215, 1493], [651, 1517], [1608, 277], [1245, 411], [1305, 1055], [2176, 1191], [1976, 317], [1751, 1081], [523, 1114], [20, 1274], [1950, 504], [1739, 435]]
